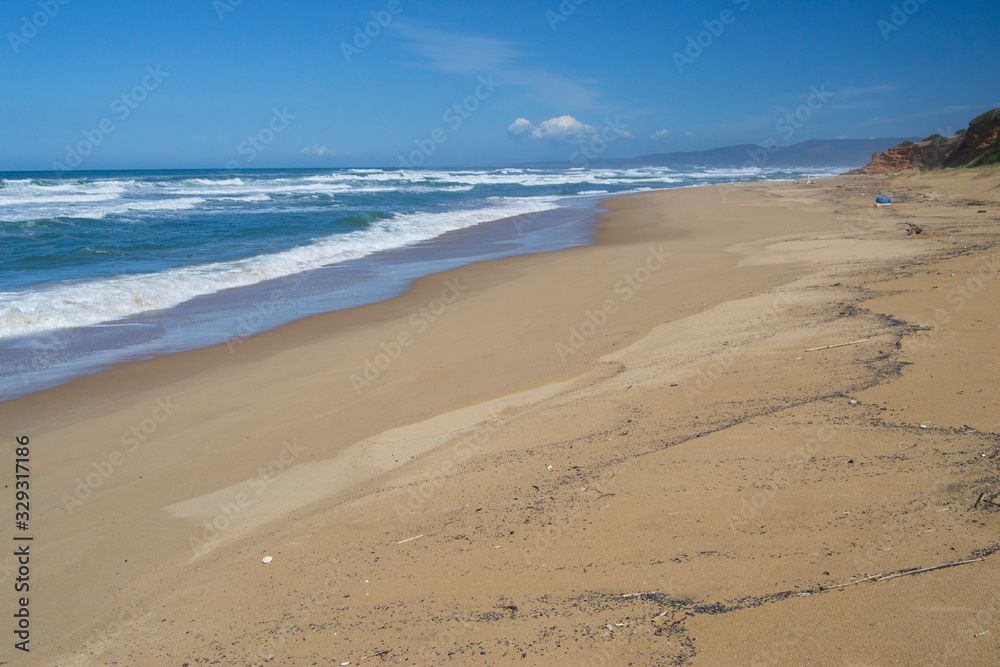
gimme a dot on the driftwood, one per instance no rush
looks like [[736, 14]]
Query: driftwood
[[851, 583], [651, 595], [672, 606], [904, 573], [380, 654], [830, 347], [982, 499], [933, 567]]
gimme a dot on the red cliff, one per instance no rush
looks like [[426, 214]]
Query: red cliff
[[980, 144]]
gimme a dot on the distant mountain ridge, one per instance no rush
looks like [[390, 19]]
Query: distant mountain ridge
[[845, 153], [977, 146]]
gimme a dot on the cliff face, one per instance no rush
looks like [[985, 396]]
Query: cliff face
[[962, 149], [982, 135]]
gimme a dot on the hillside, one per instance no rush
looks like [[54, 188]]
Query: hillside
[[813, 153], [979, 145]]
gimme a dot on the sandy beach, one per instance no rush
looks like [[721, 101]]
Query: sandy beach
[[709, 438]]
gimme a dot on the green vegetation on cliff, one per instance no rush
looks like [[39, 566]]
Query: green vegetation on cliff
[[984, 116], [991, 156]]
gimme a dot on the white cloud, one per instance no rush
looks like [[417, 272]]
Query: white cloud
[[562, 128], [319, 151], [454, 51], [520, 129], [457, 52], [566, 128], [689, 134], [659, 134], [878, 89], [863, 97]]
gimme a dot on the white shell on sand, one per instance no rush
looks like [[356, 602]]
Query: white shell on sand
[[265, 559]]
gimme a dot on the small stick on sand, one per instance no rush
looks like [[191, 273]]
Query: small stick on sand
[[380, 654], [933, 567], [638, 595], [829, 347], [883, 577], [409, 538], [852, 583]]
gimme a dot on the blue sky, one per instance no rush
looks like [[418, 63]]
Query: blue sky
[[261, 83]]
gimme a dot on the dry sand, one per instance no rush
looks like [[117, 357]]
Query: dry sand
[[621, 454]]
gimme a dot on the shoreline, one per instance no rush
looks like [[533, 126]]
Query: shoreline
[[61, 355], [196, 323], [420, 292], [480, 398]]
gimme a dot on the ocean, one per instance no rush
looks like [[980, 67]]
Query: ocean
[[103, 267]]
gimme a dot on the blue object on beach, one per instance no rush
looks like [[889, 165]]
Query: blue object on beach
[[882, 200]]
